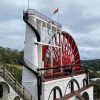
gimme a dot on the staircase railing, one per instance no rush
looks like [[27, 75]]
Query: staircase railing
[[20, 89]]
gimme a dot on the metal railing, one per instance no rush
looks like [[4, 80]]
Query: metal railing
[[21, 90], [44, 17], [32, 66], [31, 21], [60, 71]]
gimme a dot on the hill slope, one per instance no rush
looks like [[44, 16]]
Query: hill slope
[[92, 64]]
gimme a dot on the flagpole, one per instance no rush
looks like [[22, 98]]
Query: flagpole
[[58, 15], [28, 4]]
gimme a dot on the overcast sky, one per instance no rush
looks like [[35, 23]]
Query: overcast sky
[[81, 18]]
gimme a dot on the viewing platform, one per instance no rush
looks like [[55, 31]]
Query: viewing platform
[[43, 17]]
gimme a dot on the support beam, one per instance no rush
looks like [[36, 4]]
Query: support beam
[[41, 43]]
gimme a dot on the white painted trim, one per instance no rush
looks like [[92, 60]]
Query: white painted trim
[[41, 43]]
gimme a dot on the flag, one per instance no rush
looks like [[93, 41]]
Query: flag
[[56, 11]]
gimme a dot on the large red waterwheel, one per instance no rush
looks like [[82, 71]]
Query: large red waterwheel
[[66, 53]]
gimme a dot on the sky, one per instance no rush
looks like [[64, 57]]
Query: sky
[[81, 18]]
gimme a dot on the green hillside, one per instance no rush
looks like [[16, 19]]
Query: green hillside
[[12, 59], [92, 64], [11, 56]]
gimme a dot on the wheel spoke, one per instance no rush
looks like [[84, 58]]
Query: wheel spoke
[[70, 54]]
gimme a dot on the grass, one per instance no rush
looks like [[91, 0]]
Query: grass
[[15, 70]]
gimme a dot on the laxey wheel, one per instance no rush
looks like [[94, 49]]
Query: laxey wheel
[[69, 53]]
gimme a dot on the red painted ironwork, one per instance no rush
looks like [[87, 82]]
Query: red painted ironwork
[[68, 52]]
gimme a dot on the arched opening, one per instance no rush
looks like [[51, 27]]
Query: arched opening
[[84, 82], [79, 97], [17, 98], [55, 93], [85, 96], [4, 90], [1, 91], [71, 86]]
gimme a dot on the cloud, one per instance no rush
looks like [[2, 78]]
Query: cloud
[[12, 34], [81, 18], [86, 52]]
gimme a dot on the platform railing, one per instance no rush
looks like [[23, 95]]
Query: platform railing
[[60, 71], [30, 20], [44, 17], [21, 90]]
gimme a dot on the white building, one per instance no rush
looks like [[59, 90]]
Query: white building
[[52, 69]]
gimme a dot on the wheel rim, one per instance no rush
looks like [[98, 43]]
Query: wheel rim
[[69, 54]]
